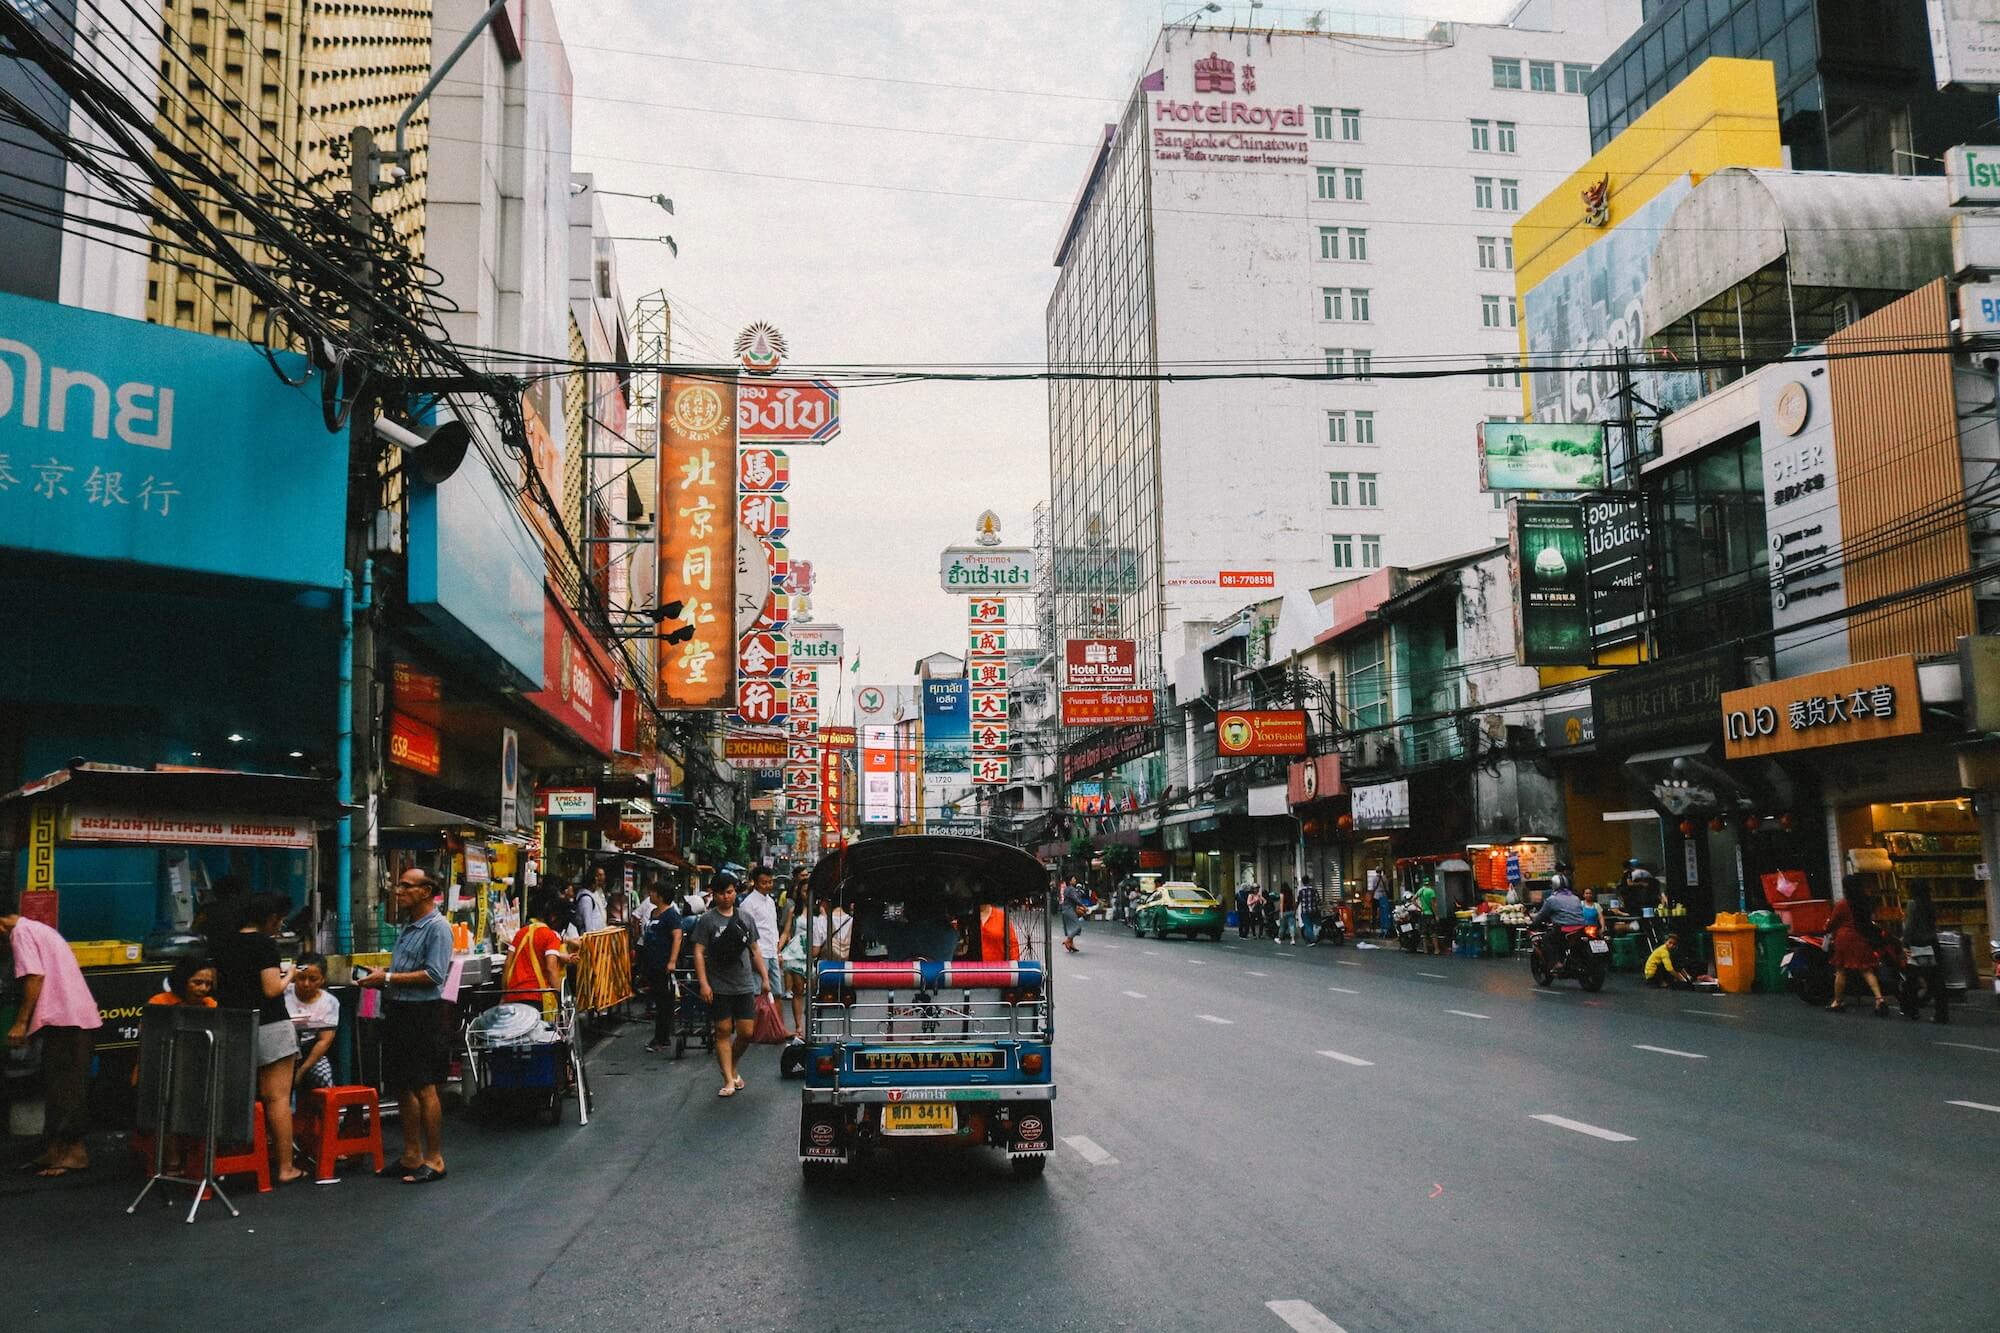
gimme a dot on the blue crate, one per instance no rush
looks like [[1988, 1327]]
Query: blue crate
[[509, 1068]]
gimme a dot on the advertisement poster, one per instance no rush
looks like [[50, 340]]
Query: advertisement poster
[[1240, 732], [1614, 532], [947, 728], [1547, 553], [1540, 456]]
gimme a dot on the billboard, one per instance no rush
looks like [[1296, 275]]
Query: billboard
[[1102, 664], [1965, 43], [1240, 732], [1540, 456], [1546, 555], [1614, 534], [987, 569], [878, 775], [787, 411], [947, 727], [817, 645], [1106, 708], [698, 546]]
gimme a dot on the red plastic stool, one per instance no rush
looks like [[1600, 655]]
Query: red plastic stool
[[256, 1161], [320, 1128]]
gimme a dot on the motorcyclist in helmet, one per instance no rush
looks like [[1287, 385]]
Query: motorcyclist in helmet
[[1562, 909]]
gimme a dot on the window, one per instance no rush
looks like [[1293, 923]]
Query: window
[[1482, 136], [1489, 251], [1329, 242], [1507, 253], [1368, 680], [1364, 489], [1336, 427], [1506, 73], [1337, 487], [1364, 364], [1357, 244], [1351, 178], [1343, 550], [1513, 313], [1498, 376], [1574, 77], [1371, 550], [1336, 360], [1357, 304], [1327, 180], [1482, 192], [1350, 124], [1541, 76], [1489, 312], [1364, 428], [1503, 135], [1510, 195], [1323, 122], [1330, 303]]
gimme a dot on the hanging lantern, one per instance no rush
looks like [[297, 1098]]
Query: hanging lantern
[[1751, 823], [1717, 824], [1346, 822], [1687, 828], [1785, 821]]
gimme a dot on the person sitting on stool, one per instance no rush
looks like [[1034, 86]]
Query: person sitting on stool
[[1661, 970]]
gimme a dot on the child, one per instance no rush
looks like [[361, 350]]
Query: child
[[1661, 969], [315, 1013]]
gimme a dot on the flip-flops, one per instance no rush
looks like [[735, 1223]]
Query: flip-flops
[[424, 1175], [396, 1171]]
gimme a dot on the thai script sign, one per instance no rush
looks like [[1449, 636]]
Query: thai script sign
[[987, 569], [787, 411]]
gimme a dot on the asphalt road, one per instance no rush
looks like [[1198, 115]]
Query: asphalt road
[[1253, 1137]]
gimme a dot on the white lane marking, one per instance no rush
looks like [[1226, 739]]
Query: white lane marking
[[1103, 945], [1550, 994], [1303, 1316], [1248, 973], [1710, 1013], [1668, 1050], [1345, 962], [1434, 976], [1150, 953], [1234, 948], [1199, 962], [1089, 1151], [1975, 1106], [1343, 990], [1467, 1013], [1964, 1046], [1137, 995], [1078, 976], [1347, 1059], [1211, 1018], [1596, 1132]]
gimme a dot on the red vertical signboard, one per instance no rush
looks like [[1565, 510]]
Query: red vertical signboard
[[697, 523]]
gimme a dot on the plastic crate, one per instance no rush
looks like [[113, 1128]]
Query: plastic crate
[[513, 1068], [104, 953], [1806, 916]]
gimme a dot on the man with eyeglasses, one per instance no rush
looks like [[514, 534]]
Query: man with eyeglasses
[[416, 1046]]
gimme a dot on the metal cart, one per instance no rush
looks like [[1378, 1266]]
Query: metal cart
[[533, 1066]]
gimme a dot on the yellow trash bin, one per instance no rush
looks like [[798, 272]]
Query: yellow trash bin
[[1735, 939]]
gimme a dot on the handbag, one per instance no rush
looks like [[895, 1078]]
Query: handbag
[[793, 955], [770, 1029]]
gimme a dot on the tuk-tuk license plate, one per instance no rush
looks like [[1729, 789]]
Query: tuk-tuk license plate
[[920, 1118]]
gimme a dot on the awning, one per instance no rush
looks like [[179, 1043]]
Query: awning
[[1832, 229], [141, 790], [401, 814], [1190, 816]]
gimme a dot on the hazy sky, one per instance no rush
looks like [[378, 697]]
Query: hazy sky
[[819, 180]]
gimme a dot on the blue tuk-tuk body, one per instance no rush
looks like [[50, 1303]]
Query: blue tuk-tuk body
[[938, 1024]]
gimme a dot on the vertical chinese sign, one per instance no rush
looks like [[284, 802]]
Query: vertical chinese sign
[[763, 513], [986, 685], [697, 518]]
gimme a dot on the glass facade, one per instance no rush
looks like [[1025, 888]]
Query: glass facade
[[1104, 435], [1706, 515], [1854, 80]]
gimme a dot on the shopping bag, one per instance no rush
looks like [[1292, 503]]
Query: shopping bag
[[770, 1029]]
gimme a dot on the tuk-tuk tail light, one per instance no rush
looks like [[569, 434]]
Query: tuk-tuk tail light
[[824, 1064], [1031, 1063]]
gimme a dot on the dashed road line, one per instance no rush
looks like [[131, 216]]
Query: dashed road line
[[1211, 1018], [1667, 1050], [1711, 1013], [1434, 976], [1150, 953], [1467, 1013], [1303, 1317], [1078, 976], [1347, 1059], [1199, 962], [1136, 995], [1345, 962], [1089, 1151], [1595, 1131], [1248, 973], [1967, 1046], [1975, 1106], [1343, 990]]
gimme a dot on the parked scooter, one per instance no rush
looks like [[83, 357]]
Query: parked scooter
[[1578, 952], [1413, 927]]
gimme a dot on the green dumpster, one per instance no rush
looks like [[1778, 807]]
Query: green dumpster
[[1499, 941], [1771, 944], [1624, 953]]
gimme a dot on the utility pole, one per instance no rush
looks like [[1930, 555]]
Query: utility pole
[[361, 770]]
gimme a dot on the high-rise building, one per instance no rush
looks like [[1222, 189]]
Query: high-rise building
[[1296, 202]]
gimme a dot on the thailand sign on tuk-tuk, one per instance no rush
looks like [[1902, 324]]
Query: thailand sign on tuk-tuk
[[938, 1024]]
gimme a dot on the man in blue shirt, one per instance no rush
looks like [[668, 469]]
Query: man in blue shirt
[[1562, 909], [416, 1042]]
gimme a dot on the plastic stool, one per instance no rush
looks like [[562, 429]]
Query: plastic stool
[[320, 1131], [256, 1161]]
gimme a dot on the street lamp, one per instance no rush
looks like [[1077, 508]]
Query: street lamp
[[667, 241], [1195, 15], [580, 186]]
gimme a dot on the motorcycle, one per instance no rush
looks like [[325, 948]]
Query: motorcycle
[[1585, 956], [1412, 926]]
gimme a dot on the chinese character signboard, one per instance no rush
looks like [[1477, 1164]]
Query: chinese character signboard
[[1100, 664], [697, 518], [1641, 707], [1260, 731], [1867, 701], [830, 782], [1100, 708], [986, 690], [754, 751]]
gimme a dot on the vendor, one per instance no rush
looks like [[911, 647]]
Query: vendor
[[538, 958]]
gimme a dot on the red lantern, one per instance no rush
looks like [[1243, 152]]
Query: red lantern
[[1751, 823], [1785, 821], [1687, 828], [1718, 824], [1346, 822]]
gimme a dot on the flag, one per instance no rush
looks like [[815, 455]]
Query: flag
[[857, 663]]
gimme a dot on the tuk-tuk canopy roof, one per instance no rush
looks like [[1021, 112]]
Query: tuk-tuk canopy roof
[[918, 864]]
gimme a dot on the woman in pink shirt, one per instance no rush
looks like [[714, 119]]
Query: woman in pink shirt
[[57, 1006]]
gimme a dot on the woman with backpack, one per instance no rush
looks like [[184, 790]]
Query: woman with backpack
[[729, 969]]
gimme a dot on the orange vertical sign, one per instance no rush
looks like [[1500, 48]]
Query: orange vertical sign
[[698, 541]]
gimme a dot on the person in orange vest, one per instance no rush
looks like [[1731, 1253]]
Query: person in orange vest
[[997, 940]]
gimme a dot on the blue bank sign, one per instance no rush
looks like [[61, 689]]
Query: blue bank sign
[[121, 440]]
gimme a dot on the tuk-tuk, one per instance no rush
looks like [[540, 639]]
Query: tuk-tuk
[[938, 1024]]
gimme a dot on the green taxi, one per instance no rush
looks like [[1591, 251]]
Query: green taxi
[[1186, 909]]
